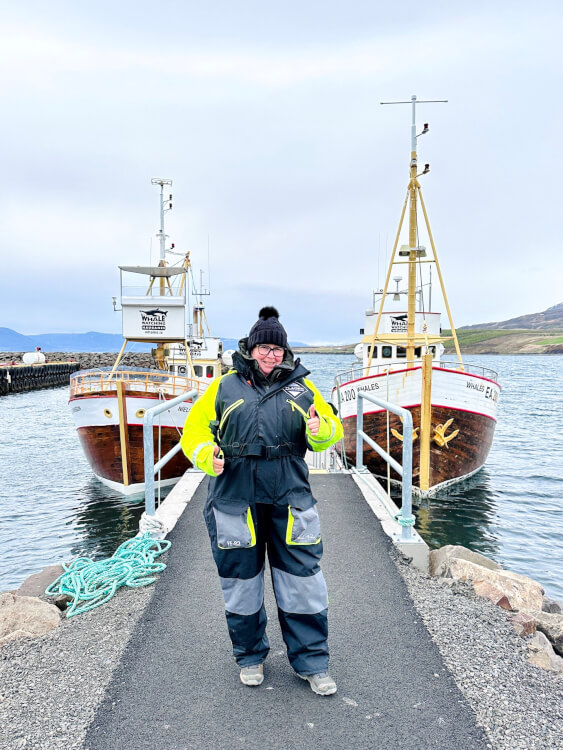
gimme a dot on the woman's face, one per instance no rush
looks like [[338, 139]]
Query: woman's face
[[267, 356]]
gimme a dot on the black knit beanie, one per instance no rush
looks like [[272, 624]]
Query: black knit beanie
[[267, 329]]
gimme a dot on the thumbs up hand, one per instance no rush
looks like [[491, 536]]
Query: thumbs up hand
[[218, 463], [313, 423]]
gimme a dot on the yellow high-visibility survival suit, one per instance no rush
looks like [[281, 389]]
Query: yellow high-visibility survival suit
[[263, 500]]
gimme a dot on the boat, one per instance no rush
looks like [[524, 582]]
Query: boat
[[453, 403], [108, 404]]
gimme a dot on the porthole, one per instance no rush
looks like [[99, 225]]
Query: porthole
[[140, 413], [108, 413]]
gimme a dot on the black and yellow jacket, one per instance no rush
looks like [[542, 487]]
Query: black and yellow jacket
[[260, 426]]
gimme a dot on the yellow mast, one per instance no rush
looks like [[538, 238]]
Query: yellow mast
[[413, 184], [415, 253]]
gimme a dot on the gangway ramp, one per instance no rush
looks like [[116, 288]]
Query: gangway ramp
[[177, 685]]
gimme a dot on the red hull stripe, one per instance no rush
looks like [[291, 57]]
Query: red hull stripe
[[114, 395], [129, 424], [438, 406]]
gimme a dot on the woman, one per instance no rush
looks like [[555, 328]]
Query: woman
[[250, 431]]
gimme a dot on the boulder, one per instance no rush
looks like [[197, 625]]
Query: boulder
[[550, 625], [440, 558], [541, 654], [25, 616], [520, 591], [523, 623], [36, 584], [552, 606], [488, 590]]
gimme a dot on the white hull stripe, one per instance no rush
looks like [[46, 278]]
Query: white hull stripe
[[99, 412], [450, 390]]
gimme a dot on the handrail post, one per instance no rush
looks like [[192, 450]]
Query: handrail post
[[148, 450], [405, 517], [406, 494], [359, 430], [148, 446]]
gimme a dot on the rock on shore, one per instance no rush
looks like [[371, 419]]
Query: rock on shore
[[519, 705], [25, 617], [509, 591]]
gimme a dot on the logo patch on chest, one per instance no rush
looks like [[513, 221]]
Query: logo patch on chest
[[295, 390]]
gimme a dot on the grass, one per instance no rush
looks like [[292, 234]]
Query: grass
[[467, 338], [552, 340]]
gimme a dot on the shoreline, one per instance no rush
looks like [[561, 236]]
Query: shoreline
[[500, 342]]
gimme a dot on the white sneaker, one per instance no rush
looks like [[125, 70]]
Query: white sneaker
[[252, 676], [321, 684]]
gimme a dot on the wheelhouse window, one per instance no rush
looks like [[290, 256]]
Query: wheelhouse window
[[198, 369], [374, 351], [209, 371], [386, 352], [418, 351], [401, 352]]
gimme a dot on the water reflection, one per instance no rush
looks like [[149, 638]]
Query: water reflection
[[104, 519], [465, 514]]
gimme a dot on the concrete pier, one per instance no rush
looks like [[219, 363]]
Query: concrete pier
[[177, 685]]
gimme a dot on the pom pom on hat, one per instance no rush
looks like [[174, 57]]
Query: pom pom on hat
[[267, 329], [268, 312]]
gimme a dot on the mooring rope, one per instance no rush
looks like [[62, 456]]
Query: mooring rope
[[91, 584]]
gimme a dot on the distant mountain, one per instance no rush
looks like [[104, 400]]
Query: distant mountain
[[12, 341], [546, 320], [93, 341]]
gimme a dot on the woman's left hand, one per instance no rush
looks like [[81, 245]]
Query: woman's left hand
[[313, 423]]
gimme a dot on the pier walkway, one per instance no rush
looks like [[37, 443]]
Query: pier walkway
[[178, 686]]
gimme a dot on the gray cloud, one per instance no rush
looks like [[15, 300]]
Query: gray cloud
[[268, 120]]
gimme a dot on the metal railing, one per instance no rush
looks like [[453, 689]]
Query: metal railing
[[405, 518], [151, 468], [359, 371], [143, 381]]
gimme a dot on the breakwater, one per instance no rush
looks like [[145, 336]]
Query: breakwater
[[18, 377]]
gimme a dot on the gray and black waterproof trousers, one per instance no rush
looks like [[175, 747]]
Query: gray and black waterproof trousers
[[292, 540]]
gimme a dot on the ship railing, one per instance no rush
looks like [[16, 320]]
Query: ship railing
[[149, 381], [469, 367], [359, 371], [149, 522], [405, 517]]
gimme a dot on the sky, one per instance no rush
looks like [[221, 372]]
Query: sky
[[267, 118]]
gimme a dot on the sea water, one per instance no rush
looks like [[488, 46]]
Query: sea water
[[52, 508]]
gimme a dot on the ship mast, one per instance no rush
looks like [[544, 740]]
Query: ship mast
[[414, 255], [413, 244], [161, 233]]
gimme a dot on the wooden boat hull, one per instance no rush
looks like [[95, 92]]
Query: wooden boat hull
[[111, 436], [463, 411], [102, 448], [464, 456]]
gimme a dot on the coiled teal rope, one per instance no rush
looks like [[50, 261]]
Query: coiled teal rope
[[91, 584]]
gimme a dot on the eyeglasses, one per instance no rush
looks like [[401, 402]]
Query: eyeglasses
[[277, 351]]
